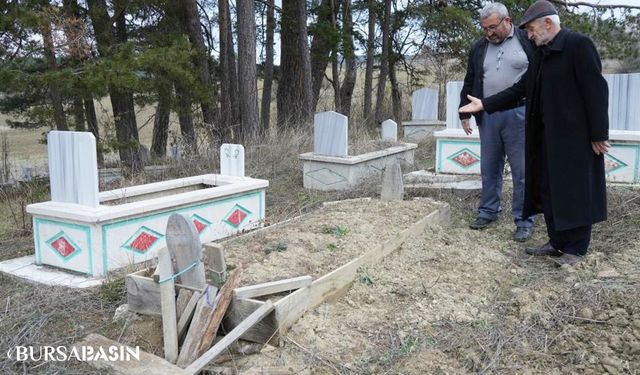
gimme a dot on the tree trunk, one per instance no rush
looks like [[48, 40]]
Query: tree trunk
[[192, 21], [346, 91], [121, 99], [396, 94], [321, 47], [368, 75], [228, 93], [384, 61], [54, 94], [265, 109], [185, 117], [92, 122], [161, 123], [294, 88], [78, 114], [247, 78]]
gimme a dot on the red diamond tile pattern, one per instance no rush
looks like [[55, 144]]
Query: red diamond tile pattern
[[143, 242], [236, 217], [199, 225], [465, 159], [63, 247]]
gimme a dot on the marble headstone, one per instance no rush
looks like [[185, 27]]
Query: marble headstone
[[624, 97], [232, 160], [453, 102], [424, 104], [330, 131], [73, 167], [389, 131]]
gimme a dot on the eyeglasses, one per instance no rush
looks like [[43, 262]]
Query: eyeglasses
[[493, 27]]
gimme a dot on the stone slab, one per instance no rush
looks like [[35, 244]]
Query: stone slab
[[624, 96], [453, 102], [26, 269], [424, 104], [232, 160], [389, 131]]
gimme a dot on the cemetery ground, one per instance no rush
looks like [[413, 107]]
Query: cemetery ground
[[450, 300]]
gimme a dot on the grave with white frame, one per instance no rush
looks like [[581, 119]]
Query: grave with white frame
[[330, 167], [459, 153], [90, 232], [424, 116]]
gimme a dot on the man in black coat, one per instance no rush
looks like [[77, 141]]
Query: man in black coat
[[566, 136], [496, 62]]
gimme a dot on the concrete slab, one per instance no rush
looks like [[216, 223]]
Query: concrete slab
[[25, 268], [424, 180]]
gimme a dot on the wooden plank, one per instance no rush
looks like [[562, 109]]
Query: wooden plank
[[230, 338], [168, 306], [143, 294], [267, 370], [292, 307], [187, 314], [226, 295], [185, 247], [272, 287], [263, 332], [184, 296], [146, 364], [201, 318], [214, 257]]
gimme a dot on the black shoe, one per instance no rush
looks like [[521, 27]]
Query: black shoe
[[522, 234], [544, 250], [481, 223], [568, 259]]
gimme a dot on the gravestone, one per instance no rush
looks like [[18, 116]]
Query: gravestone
[[73, 167], [424, 104], [392, 186], [330, 131], [453, 103], [624, 96], [389, 131], [232, 160]]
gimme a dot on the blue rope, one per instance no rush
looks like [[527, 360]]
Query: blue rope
[[173, 277]]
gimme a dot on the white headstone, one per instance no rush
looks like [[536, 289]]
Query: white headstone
[[330, 131], [624, 97], [73, 167], [424, 104], [232, 160], [389, 131], [453, 103]]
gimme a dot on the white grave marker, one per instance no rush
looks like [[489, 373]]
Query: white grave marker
[[73, 167], [624, 96], [330, 131], [232, 160], [453, 102], [389, 131], [424, 104]]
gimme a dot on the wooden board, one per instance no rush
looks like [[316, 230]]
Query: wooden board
[[187, 314], [143, 294], [185, 247], [201, 318], [230, 338], [168, 306], [214, 257], [263, 332], [184, 296], [146, 365], [272, 287]]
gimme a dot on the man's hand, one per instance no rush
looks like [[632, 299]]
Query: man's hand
[[600, 147], [473, 107], [466, 126]]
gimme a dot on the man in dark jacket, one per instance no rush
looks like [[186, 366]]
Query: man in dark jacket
[[496, 62], [567, 132]]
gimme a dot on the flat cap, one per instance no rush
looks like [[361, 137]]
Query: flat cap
[[538, 9]]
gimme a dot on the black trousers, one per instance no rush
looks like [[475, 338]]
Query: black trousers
[[571, 241]]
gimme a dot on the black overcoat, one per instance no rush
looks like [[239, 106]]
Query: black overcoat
[[573, 112]]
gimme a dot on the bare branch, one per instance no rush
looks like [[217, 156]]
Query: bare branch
[[592, 5]]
